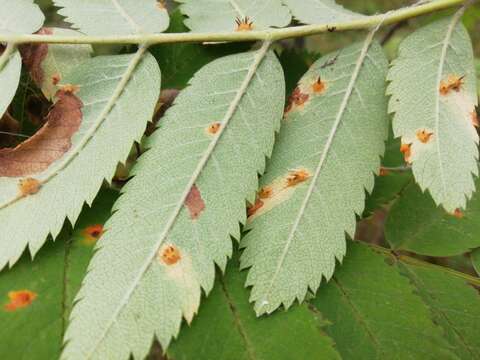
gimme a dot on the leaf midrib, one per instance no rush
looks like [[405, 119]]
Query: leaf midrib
[[258, 58]]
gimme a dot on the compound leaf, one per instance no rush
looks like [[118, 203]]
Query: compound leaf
[[320, 11], [324, 159], [174, 221], [48, 178], [221, 15], [117, 17], [433, 96]]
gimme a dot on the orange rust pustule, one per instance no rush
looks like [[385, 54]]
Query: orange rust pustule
[[19, 300], [33, 55], [265, 192], [93, 233], [406, 150], [296, 99], [170, 255], [213, 128], [50, 143], [424, 136], [244, 24], [453, 82], [195, 203], [28, 186], [297, 177], [319, 86], [458, 214], [252, 210]]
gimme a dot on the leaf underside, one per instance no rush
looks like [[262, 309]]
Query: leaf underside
[[320, 11], [174, 221], [76, 177], [433, 118], [115, 17], [221, 15], [334, 134]]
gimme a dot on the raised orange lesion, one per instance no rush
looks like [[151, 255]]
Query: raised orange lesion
[[458, 214], [244, 24], [296, 177], [28, 186], [319, 86], [297, 99], [213, 128], [452, 82], [424, 136], [169, 255], [406, 150], [20, 299], [92, 233]]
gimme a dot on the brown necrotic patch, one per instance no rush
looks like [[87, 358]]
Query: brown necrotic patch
[[451, 83], [50, 143], [19, 300], [253, 209], [169, 255], [194, 203]]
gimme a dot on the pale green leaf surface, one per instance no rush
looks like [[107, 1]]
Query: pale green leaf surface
[[376, 313], [476, 260], [337, 137], [320, 11], [117, 105], [59, 60], [227, 328], [454, 304], [114, 17], [147, 295], [20, 16], [35, 332], [416, 224], [220, 15], [444, 165], [9, 79]]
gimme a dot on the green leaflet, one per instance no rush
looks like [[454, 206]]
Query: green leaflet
[[174, 221], [227, 328], [220, 15], [117, 17], [324, 159], [376, 314], [320, 11], [454, 304], [416, 224], [36, 330], [19, 16], [57, 60], [109, 87], [433, 118], [476, 260]]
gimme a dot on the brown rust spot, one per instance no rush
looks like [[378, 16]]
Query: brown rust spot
[[33, 56], [453, 82], [319, 86], [194, 203], [92, 233], [169, 255], [244, 24], [424, 136], [252, 209], [19, 299], [296, 177], [213, 128], [28, 186], [50, 143], [406, 150]]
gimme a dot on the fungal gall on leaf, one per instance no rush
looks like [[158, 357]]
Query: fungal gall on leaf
[[194, 203], [453, 82], [20, 299], [28, 186], [406, 150], [169, 255], [92, 233], [213, 128], [424, 136], [296, 177], [244, 24]]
